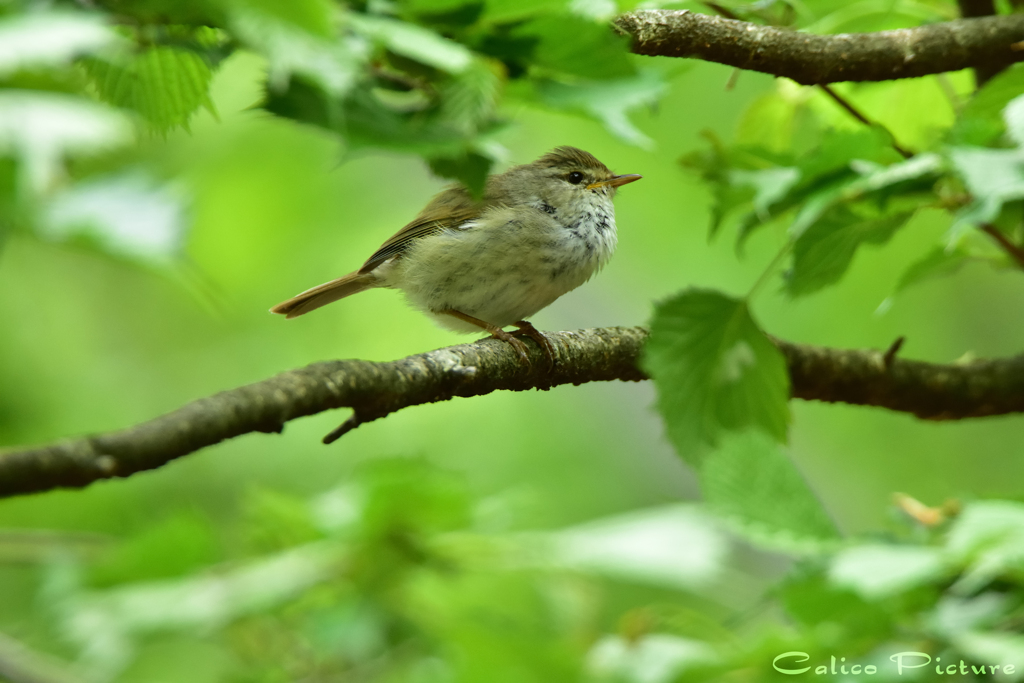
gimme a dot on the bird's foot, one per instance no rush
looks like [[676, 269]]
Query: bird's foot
[[517, 344], [496, 333], [528, 330]]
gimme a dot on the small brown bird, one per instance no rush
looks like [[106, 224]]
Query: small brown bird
[[541, 230]]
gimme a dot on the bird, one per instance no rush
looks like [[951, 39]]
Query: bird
[[539, 231]]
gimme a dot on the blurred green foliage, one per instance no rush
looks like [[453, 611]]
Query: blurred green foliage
[[170, 169]]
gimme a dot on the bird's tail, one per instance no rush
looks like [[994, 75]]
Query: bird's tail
[[321, 295]]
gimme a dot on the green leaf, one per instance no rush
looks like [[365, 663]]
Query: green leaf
[[751, 482], [129, 216], [608, 101], [415, 42], [939, 262], [470, 169], [714, 371], [1013, 116], [988, 538], [163, 84], [992, 176], [675, 546], [312, 16], [877, 572], [50, 39], [41, 128], [732, 176], [979, 122], [332, 65], [822, 254], [594, 51]]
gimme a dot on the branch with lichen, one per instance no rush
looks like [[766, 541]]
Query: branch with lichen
[[986, 44], [374, 390]]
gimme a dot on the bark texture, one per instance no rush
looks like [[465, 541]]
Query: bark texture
[[983, 43], [374, 390]]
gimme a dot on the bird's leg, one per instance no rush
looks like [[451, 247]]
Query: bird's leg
[[495, 331], [526, 328]]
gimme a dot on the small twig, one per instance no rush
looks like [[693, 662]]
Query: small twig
[[341, 430], [733, 77], [890, 355], [856, 113], [1015, 252]]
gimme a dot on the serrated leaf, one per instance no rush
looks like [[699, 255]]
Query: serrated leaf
[[822, 254], [594, 52], [979, 122], [751, 482], [714, 371], [608, 101], [50, 39], [469, 98], [163, 84], [917, 173], [718, 165]]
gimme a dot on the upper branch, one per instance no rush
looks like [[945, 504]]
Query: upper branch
[[988, 43], [374, 390]]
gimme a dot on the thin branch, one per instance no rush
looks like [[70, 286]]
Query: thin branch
[[857, 114], [809, 59], [1016, 252], [374, 390]]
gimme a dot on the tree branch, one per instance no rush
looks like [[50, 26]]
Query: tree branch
[[979, 8], [373, 390], [983, 43], [1015, 252]]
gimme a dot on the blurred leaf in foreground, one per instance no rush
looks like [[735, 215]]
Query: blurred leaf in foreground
[[130, 216], [752, 483], [41, 129], [50, 39]]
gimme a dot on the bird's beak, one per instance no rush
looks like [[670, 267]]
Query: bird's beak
[[615, 181]]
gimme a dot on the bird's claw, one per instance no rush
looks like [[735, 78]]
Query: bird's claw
[[517, 344], [527, 329]]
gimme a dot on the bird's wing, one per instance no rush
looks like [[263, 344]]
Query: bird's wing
[[449, 209]]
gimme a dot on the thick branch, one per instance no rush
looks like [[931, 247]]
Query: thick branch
[[985, 43], [374, 390]]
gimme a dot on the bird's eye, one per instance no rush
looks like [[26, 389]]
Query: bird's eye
[[575, 177]]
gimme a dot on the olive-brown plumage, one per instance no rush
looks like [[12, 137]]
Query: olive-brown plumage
[[540, 230]]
